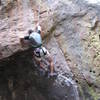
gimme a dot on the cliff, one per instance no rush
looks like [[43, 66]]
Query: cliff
[[71, 34]]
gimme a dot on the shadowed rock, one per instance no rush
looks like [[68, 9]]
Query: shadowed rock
[[21, 80]]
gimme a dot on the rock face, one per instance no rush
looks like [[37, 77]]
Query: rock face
[[14, 23], [21, 80], [71, 34], [76, 29]]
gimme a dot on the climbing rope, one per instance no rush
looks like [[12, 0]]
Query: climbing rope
[[39, 12], [49, 7]]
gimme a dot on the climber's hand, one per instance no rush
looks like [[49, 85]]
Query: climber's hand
[[22, 42], [21, 39]]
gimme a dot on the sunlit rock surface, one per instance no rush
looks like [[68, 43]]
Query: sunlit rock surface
[[76, 29], [70, 25], [94, 1]]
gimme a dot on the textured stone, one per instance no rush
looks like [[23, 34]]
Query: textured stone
[[75, 26]]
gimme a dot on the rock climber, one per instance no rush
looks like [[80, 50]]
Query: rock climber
[[39, 52]]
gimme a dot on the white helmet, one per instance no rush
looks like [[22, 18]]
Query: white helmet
[[40, 52]]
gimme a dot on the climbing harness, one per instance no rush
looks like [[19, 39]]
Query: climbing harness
[[40, 52]]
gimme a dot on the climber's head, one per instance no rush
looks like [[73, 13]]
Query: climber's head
[[30, 31]]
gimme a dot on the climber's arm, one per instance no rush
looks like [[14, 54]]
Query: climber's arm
[[39, 30], [22, 40], [26, 37]]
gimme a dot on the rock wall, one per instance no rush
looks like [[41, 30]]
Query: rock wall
[[76, 29], [69, 25], [22, 80]]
